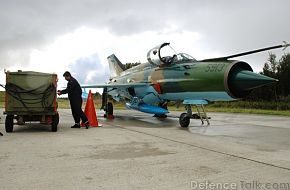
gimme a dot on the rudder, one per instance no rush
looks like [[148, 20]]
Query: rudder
[[115, 65]]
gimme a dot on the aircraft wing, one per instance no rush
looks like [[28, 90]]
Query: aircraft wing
[[112, 85]]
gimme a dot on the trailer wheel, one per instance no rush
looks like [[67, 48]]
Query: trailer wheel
[[9, 123], [55, 121]]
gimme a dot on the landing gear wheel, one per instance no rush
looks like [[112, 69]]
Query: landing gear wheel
[[55, 121], [110, 108], [9, 123], [184, 120]]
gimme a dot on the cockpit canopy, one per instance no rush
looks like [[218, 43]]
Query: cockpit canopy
[[161, 56], [183, 57]]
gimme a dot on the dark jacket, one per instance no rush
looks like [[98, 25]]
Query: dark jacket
[[73, 89]]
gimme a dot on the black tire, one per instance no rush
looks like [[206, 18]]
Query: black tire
[[110, 108], [9, 123], [55, 121], [184, 120]]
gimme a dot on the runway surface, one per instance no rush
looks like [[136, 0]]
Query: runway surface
[[138, 151]]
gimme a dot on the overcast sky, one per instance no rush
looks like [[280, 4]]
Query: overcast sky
[[78, 35]]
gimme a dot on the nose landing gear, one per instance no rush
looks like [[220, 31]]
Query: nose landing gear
[[184, 118]]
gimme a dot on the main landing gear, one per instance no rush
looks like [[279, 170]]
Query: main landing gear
[[107, 106], [184, 118]]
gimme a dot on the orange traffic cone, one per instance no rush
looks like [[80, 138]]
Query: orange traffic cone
[[91, 112]]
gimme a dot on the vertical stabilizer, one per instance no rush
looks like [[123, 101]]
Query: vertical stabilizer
[[116, 67]]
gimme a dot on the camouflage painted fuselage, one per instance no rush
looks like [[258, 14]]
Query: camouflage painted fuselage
[[180, 77], [180, 81]]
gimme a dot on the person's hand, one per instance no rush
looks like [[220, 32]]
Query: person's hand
[[59, 92]]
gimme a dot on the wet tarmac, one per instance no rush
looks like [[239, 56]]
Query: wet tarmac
[[138, 151]]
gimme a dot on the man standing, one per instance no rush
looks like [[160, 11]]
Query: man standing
[[74, 92]]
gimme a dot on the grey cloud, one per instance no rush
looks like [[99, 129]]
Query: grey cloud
[[81, 69], [244, 24], [227, 25]]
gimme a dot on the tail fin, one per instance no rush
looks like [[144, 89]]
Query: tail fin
[[116, 67]]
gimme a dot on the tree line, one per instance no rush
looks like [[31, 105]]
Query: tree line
[[130, 65], [278, 69]]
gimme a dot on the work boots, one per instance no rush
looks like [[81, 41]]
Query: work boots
[[77, 125]]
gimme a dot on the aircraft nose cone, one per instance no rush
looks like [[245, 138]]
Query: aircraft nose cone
[[242, 82], [247, 80]]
